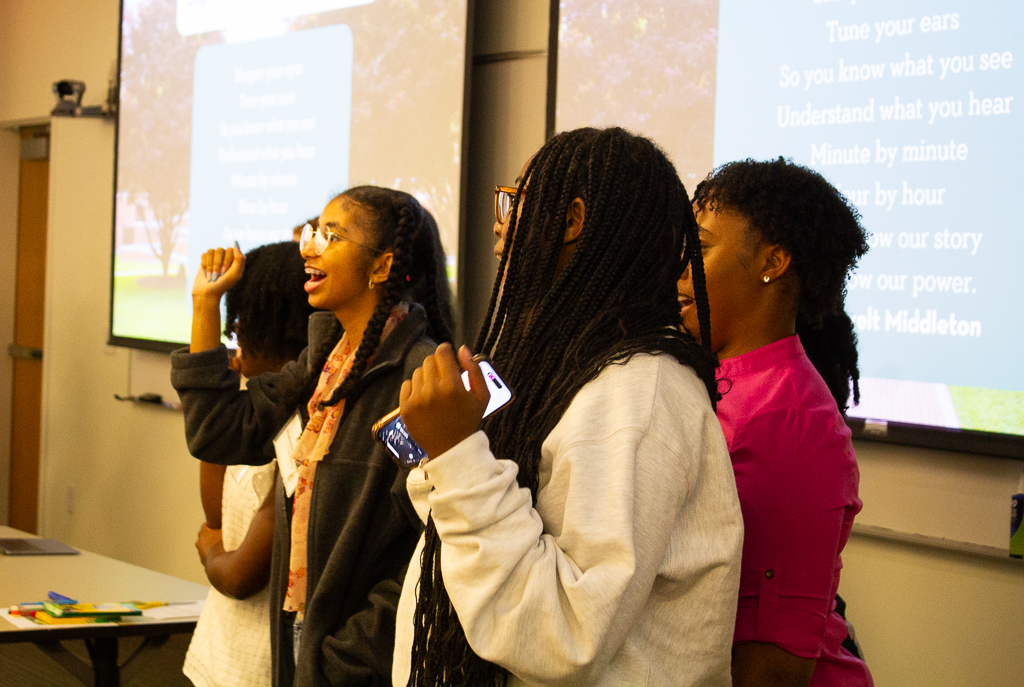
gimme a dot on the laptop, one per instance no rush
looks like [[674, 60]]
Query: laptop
[[35, 547]]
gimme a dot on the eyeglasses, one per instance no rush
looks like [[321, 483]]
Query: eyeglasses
[[321, 238], [504, 196]]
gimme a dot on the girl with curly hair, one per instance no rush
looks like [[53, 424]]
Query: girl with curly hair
[[779, 242]]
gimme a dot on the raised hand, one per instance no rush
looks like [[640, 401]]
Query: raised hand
[[220, 269]]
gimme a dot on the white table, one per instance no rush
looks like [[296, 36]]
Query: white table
[[89, 577]]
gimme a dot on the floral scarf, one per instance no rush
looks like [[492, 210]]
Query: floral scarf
[[312, 446]]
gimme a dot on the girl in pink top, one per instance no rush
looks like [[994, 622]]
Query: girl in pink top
[[779, 242]]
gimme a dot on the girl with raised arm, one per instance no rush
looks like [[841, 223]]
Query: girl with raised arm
[[344, 526], [268, 314]]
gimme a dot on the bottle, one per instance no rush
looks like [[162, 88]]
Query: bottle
[[1016, 518]]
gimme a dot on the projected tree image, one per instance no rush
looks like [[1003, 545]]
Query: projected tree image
[[403, 129], [397, 102], [156, 88], [169, 213], [646, 65]]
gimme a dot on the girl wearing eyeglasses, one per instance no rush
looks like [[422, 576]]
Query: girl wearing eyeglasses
[[345, 528], [590, 532]]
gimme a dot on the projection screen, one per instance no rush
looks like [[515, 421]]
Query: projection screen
[[910, 110], [240, 119]]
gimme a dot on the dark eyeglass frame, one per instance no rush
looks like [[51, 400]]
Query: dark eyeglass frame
[[504, 195]]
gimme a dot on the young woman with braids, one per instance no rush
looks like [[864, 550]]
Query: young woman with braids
[[779, 242], [345, 528], [590, 533]]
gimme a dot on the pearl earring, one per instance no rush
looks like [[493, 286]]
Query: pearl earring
[[767, 279]]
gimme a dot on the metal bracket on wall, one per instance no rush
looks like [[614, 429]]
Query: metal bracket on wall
[[24, 352]]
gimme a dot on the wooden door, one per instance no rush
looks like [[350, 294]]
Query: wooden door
[[30, 280]]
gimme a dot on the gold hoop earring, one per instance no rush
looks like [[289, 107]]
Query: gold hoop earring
[[767, 279], [371, 284]]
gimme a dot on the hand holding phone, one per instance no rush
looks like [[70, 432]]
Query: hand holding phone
[[441, 407]]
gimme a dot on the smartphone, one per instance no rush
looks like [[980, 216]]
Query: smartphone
[[391, 431]]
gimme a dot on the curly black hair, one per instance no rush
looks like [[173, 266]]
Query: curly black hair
[[268, 310], [550, 335], [418, 273], [795, 207]]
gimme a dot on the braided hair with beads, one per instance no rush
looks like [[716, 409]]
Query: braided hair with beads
[[400, 224], [552, 333], [795, 207]]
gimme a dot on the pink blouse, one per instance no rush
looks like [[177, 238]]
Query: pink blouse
[[797, 477]]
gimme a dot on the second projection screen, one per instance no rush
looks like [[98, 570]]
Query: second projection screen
[[911, 109]]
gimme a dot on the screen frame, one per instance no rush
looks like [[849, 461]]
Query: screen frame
[[943, 438], [554, 17], [995, 444], [170, 346]]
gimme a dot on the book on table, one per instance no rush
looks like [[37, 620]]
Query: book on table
[[44, 618], [107, 610]]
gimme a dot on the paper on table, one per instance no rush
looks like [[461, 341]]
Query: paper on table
[[29, 624], [174, 611], [18, 621]]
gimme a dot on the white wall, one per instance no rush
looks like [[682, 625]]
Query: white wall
[[933, 618], [925, 617], [42, 41], [956, 496], [116, 478]]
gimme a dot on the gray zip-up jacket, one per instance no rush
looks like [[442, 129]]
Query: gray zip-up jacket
[[362, 527]]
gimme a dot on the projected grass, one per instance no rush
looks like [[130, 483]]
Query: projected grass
[[157, 314], [989, 410]]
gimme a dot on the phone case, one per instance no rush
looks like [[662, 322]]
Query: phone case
[[379, 424], [382, 423]]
